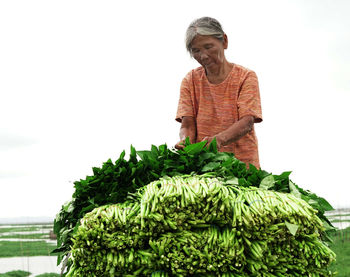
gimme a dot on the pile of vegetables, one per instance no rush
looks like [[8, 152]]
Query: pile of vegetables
[[188, 225], [147, 216]]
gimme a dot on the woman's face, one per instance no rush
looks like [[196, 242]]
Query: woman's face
[[209, 51]]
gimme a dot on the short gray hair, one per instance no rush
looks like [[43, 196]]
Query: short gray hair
[[205, 26]]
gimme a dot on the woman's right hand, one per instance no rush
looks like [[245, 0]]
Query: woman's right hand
[[188, 129], [180, 145]]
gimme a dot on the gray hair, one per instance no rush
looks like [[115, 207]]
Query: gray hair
[[205, 26]]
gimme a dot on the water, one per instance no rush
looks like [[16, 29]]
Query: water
[[25, 233], [341, 225], [30, 240], [338, 212], [27, 226], [35, 265]]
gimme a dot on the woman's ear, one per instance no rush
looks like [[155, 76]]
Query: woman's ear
[[225, 41]]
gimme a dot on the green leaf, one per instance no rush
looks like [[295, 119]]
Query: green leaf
[[163, 149], [283, 176], [232, 181], [132, 154], [293, 190], [213, 146], [207, 155], [187, 141], [144, 155], [121, 157], [268, 182], [327, 226], [312, 202], [222, 156], [317, 202], [59, 250], [89, 208], [325, 204], [242, 182], [210, 166], [293, 228], [68, 207], [195, 148], [154, 151]]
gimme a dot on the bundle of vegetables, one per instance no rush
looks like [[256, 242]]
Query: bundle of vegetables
[[117, 181], [200, 225]]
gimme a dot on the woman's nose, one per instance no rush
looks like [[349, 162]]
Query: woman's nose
[[203, 55]]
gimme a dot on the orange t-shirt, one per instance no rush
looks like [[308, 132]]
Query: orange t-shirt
[[217, 106]]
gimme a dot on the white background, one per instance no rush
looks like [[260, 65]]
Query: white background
[[80, 81]]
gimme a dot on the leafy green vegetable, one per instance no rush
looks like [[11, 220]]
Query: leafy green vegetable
[[114, 182], [268, 182], [192, 225], [293, 228]]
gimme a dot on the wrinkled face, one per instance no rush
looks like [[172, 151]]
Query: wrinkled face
[[209, 51]]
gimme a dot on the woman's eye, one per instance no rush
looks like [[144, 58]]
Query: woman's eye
[[208, 46], [195, 51]]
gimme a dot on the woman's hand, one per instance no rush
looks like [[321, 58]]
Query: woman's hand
[[210, 139], [180, 145], [188, 129], [237, 130]]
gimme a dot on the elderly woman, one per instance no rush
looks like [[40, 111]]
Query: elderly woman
[[219, 99]]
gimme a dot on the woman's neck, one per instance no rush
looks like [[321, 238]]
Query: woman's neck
[[218, 74]]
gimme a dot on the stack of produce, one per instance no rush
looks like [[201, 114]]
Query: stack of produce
[[201, 225]]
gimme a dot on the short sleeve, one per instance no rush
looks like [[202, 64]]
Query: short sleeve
[[185, 106], [249, 98]]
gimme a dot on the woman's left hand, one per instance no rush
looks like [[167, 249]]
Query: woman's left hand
[[209, 140]]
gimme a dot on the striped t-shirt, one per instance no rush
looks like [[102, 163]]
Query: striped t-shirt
[[217, 106]]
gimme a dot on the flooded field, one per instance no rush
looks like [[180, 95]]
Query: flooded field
[[35, 265], [339, 218], [27, 248], [341, 225], [339, 212]]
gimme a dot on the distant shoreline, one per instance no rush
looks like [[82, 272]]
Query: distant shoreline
[[26, 220]]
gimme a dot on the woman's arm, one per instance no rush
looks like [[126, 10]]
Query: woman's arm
[[187, 129], [234, 132]]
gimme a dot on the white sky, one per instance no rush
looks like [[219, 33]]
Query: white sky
[[80, 81]]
